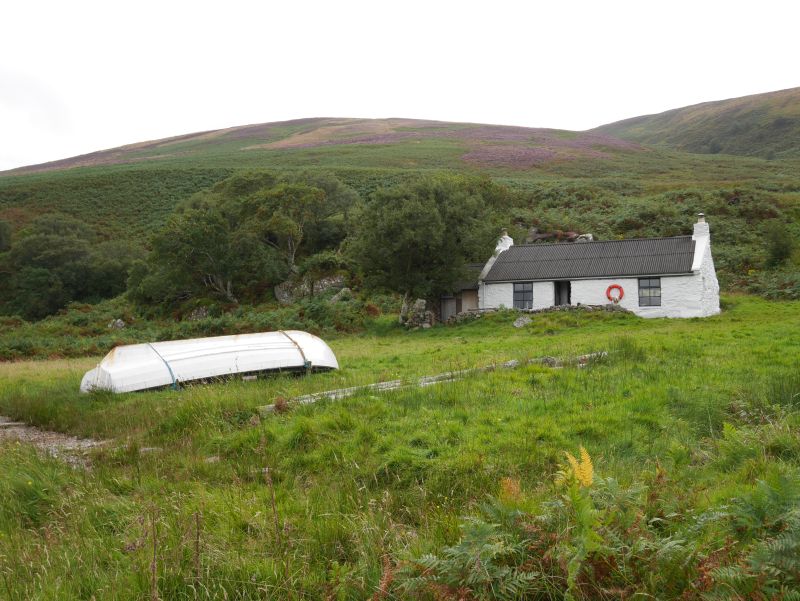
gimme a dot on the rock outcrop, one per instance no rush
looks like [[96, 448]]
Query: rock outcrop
[[291, 291], [418, 315]]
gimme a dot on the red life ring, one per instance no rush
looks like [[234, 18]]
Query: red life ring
[[615, 299]]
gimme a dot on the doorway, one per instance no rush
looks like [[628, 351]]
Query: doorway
[[563, 292]]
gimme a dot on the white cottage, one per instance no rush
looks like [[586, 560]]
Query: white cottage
[[652, 277]]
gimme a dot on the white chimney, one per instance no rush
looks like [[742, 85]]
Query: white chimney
[[701, 227], [702, 239], [504, 243]]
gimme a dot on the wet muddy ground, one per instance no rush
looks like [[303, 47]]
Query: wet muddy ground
[[71, 449]]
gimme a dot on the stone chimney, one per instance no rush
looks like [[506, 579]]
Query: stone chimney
[[504, 243], [701, 227]]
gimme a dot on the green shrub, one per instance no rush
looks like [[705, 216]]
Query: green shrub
[[779, 243], [779, 284], [488, 562]]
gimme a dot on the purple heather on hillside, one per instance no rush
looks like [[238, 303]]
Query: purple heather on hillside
[[517, 157]]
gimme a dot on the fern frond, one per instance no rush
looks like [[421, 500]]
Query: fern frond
[[573, 463], [583, 470], [587, 469]]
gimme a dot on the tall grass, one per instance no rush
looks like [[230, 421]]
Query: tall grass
[[674, 421]]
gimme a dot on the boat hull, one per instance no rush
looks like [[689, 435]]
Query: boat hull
[[155, 365]]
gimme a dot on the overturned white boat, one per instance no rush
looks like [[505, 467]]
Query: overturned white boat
[[158, 364]]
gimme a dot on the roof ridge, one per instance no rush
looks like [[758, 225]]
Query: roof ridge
[[538, 244], [556, 260]]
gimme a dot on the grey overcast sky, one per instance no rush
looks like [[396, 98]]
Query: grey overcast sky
[[78, 76]]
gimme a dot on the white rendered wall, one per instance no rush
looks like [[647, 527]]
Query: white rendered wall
[[695, 295], [544, 295], [709, 297], [593, 292], [494, 296], [681, 296]]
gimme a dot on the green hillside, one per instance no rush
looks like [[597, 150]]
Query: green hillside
[[129, 191], [761, 125], [362, 143]]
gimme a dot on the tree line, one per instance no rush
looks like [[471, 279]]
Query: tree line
[[57, 259], [232, 243]]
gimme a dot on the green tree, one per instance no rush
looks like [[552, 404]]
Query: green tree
[[200, 252], [285, 213], [48, 264], [310, 205], [237, 240], [38, 292], [57, 259], [109, 267], [415, 239], [329, 229]]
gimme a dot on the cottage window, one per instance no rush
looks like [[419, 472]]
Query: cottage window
[[523, 295], [649, 292]]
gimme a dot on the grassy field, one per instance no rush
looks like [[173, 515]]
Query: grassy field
[[443, 492]]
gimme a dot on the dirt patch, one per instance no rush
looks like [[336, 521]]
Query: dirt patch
[[73, 450]]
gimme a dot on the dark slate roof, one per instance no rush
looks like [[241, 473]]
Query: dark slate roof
[[611, 258]]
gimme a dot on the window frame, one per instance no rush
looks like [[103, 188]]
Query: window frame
[[649, 286], [522, 299]]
